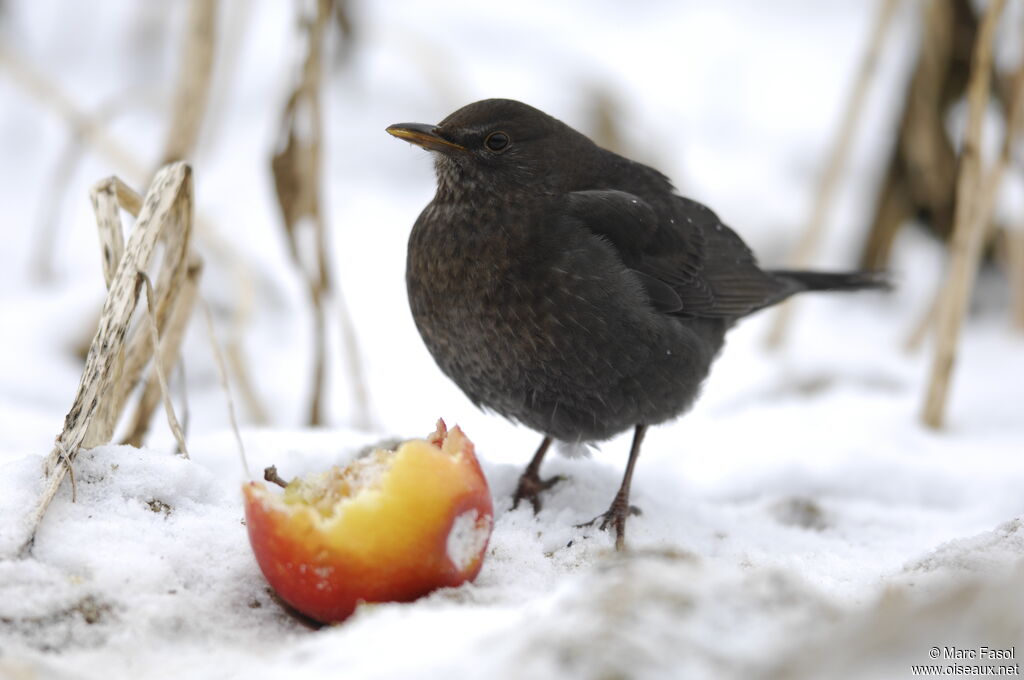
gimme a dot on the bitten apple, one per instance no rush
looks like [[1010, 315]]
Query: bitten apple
[[390, 527]]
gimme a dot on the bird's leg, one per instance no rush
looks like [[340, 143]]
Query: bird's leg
[[530, 483], [620, 507]]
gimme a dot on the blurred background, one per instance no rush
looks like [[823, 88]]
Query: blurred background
[[749, 107]]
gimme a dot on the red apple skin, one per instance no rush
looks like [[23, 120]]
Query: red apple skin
[[386, 546]]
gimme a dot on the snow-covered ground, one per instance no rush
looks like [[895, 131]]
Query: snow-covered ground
[[798, 523]]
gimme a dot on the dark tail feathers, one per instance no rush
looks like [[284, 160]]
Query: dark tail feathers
[[861, 280]]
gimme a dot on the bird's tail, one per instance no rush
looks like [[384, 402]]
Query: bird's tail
[[839, 281]]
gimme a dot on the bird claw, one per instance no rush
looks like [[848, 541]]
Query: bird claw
[[529, 488], [614, 517]]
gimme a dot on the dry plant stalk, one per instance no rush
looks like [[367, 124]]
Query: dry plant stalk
[[195, 104], [297, 179], [1015, 265], [188, 113], [921, 171], [923, 324], [809, 240], [170, 349], [193, 87], [222, 371], [186, 118], [296, 168], [119, 353], [986, 204], [968, 228], [161, 375]]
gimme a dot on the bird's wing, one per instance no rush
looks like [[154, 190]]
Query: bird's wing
[[687, 260]]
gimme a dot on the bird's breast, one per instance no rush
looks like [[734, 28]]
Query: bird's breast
[[547, 328], [499, 284]]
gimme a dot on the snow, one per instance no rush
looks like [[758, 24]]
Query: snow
[[467, 538], [800, 522]]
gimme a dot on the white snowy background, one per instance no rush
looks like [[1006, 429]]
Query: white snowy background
[[800, 522]]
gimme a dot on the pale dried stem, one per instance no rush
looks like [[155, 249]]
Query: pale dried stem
[[298, 179], [158, 364], [320, 283], [111, 236], [923, 324], [127, 198], [239, 369], [316, 401], [170, 348], [969, 229], [234, 25], [808, 244], [192, 91], [222, 371], [92, 132], [243, 303], [94, 412], [1013, 239], [984, 207], [108, 222], [1015, 265], [192, 111], [183, 396], [173, 270], [921, 167], [172, 185]]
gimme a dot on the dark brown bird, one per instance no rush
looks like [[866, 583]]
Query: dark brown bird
[[571, 289]]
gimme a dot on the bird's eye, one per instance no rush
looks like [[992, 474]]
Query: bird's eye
[[497, 141]]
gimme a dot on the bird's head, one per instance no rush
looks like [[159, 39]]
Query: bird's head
[[497, 145]]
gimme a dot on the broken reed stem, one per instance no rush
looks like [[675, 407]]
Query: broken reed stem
[[968, 228], [171, 185], [178, 277], [193, 88], [127, 198], [194, 104], [222, 371], [298, 179], [184, 128], [923, 324], [186, 414], [170, 283], [311, 83], [1013, 239], [108, 223], [239, 369], [96, 407], [986, 202], [1015, 267], [812, 235], [316, 401], [143, 280], [921, 167], [170, 349]]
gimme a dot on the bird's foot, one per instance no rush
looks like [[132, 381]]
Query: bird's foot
[[615, 518], [530, 486]]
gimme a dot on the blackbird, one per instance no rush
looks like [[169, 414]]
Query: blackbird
[[571, 289]]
